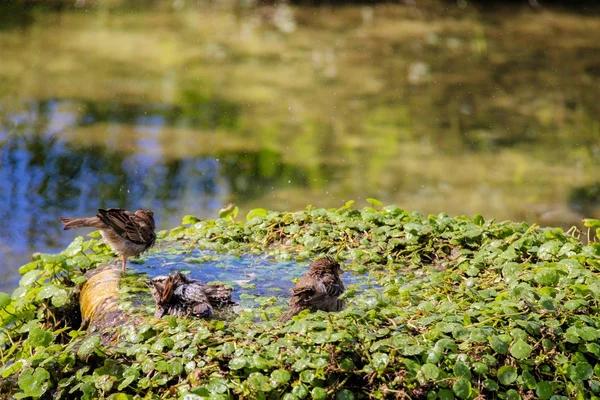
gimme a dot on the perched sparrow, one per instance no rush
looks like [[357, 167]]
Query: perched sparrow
[[318, 289], [128, 234], [181, 296]]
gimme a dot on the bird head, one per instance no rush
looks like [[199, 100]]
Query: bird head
[[147, 215], [327, 264]]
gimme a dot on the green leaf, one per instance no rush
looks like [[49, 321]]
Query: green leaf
[[344, 394], [446, 394], [130, 374], [34, 383], [499, 343], [478, 219], [548, 250], [259, 382], [8, 370], [462, 388], [307, 376], [88, 346], [544, 390], [547, 303], [189, 220], [4, 300], [580, 371], [280, 376], [507, 374], [490, 384], [217, 386], [512, 394], [237, 363], [175, 367], [300, 391], [591, 223], [29, 278], [29, 267], [520, 350], [318, 393], [40, 337], [374, 202], [379, 361], [74, 248], [461, 370], [229, 212], [430, 371], [256, 212]]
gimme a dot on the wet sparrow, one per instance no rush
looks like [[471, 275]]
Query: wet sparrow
[[181, 296], [318, 289], [128, 234]]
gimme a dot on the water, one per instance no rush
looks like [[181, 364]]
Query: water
[[251, 276], [183, 108]]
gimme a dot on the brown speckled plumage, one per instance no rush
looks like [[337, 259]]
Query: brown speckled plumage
[[128, 234], [179, 295], [318, 289]]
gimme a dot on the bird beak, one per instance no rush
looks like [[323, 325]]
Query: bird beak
[[148, 282]]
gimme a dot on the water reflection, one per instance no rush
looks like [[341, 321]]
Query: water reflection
[[43, 177]]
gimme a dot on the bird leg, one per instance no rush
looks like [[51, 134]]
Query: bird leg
[[124, 265]]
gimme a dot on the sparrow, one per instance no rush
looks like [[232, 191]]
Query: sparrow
[[128, 234], [178, 295], [317, 289]]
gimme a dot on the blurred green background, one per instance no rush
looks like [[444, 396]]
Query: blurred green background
[[185, 106]]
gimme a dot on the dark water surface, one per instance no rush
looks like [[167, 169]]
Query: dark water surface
[[185, 108]]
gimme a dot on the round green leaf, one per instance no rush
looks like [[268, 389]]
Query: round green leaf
[[175, 367], [490, 384], [500, 343], [307, 376], [520, 350], [29, 278], [461, 370], [34, 383], [507, 374], [430, 371], [40, 337], [259, 382], [544, 390], [280, 376], [318, 393], [462, 388], [300, 391], [380, 361], [512, 394], [217, 386], [580, 371], [480, 368], [237, 363], [344, 395]]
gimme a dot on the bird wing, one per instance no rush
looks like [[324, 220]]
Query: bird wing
[[335, 290], [127, 225]]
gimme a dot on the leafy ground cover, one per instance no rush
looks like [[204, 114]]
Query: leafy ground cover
[[459, 308]]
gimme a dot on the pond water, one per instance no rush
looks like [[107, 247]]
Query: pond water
[[183, 107], [252, 277]]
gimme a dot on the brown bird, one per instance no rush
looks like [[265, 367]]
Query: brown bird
[[181, 296], [318, 289], [128, 234]]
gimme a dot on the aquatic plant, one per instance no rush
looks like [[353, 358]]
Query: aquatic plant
[[458, 308]]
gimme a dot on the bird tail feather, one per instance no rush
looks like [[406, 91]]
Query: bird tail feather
[[288, 315], [72, 223]]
